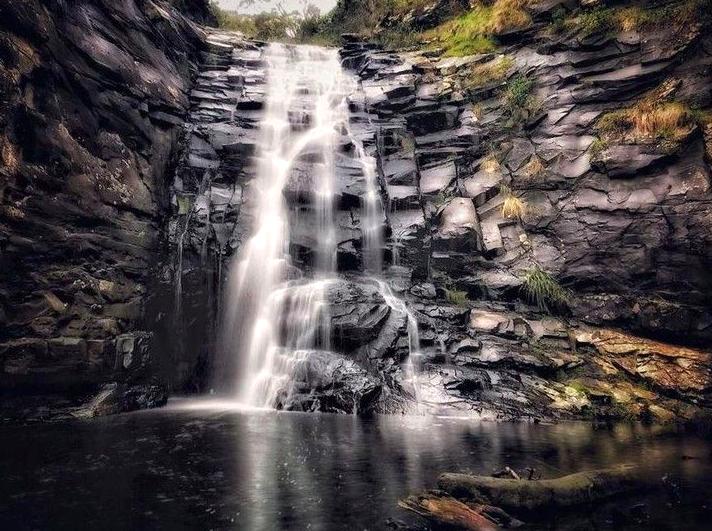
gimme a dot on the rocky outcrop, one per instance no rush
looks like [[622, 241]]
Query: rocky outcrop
[[484, 190], [620, 222], [448, 159], [619, 225], [92, 101]]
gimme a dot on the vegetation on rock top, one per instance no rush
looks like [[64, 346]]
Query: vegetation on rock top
[[542, 289]]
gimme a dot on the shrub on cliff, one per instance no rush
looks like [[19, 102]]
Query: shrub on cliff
[[456, 297], [273, 26], [683, 14], [540, 288]]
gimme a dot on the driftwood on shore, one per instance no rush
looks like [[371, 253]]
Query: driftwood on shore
[[446, 510], [522, 495]]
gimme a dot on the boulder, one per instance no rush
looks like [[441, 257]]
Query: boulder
[[459, 227], [327, 382]]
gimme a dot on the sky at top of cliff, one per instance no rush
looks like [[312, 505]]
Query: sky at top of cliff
[[253, 7]]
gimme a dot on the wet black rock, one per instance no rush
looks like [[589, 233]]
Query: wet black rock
[[327, 382], [93, 100]]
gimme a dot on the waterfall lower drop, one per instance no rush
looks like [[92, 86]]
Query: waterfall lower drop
[[372, 228], [273, 318]]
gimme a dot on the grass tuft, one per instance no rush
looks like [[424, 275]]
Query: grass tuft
[[490, 72], [534, 167], [597, 147], [508, 15], [648, 119], [540, 288], [456, 297], [513, 207], [518, 94], [490, 164]]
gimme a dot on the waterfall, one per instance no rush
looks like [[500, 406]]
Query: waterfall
[[372, 229], [276, 310], [271, 317]]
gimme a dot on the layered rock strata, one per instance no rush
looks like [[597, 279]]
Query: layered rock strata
[[477, 194], [93, 97], [620, 223], [446, 156]]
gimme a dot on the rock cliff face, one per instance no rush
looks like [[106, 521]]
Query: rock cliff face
[[92, 102], [480, 197], [547, 217], [500, 166]]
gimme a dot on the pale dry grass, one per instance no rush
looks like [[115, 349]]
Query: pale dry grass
[[649, 119], [664, 120], [513, 207], [490, 164], [8, 155], [490, 72], [534, 167], [629, 18], [477, 110], [508, 15]]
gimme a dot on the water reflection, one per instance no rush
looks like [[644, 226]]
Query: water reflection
[[210, 466]]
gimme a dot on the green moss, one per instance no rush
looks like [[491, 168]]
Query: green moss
[[459, 298], [467, 34], [185, 204], [701, 116], [578, 387]]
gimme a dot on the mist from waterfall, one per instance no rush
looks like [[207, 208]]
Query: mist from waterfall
[[276, 314]]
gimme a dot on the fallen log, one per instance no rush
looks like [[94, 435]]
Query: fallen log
[[566, 491], [446, 510], [506, 471]]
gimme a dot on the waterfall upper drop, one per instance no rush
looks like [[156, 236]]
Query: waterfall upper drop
[[283, 283]]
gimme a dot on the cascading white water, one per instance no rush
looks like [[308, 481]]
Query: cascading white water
[[271, 319], [372, 228]]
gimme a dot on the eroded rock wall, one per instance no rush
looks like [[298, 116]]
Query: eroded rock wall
[[622, 222], [446, 155], [92, 102]]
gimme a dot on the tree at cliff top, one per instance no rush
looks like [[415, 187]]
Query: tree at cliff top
[[277, 25]]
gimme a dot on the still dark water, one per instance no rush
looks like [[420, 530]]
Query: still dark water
[[213, 468]]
